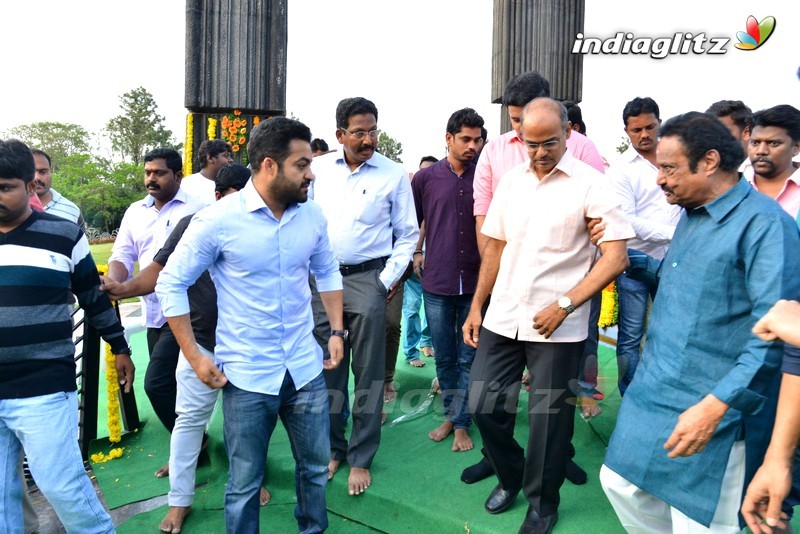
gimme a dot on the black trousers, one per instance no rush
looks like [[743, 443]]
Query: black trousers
[[494, 391], [159, 379]]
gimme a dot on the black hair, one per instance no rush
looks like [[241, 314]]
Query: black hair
[[484, 133], [271, 139], [735, 109], [353, 106], [782, 116], [701, 132], [431, 159], [639, 106], [466, 117], [213, 148], [169, 155], [524, 87], [575, 115], [45, 155], [231, 175], [16, 161], [319, 145]]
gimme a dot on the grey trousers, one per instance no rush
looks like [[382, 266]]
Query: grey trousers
[[365, 352]]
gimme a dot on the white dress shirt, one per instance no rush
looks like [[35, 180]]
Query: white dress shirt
[[547, 250], [643, 201], [366, 209], [199, 186], [143, 231]]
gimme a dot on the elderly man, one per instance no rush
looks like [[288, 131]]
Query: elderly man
[[676, 460], [535, 264]]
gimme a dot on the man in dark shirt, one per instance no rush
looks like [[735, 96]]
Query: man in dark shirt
[[195, 401], [443, 198]]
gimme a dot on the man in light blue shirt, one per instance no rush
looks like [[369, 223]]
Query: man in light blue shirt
[[259, 245], [373, 229], [676, 459]]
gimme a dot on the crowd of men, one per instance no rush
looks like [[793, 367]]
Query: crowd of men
[[253, 288]]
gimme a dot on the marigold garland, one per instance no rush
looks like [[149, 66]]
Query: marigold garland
[[188, 145], [609, 307], [234, 131], [212, 128]]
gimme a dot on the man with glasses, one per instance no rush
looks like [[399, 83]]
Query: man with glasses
[[373, 229], [535, 265]]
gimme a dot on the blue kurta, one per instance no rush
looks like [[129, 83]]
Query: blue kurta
[[728, 263]]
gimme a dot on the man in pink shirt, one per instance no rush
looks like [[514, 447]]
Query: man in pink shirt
[[774, 142]]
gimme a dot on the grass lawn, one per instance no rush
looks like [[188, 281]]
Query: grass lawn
[[101, 252]]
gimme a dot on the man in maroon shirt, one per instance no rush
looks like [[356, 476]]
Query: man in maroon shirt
[[449, 271]]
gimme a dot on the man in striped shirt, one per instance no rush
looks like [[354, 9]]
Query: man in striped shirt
[[53, 201], [42, 259]]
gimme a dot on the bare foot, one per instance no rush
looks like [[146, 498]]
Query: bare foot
[[265, 496], [333, 466], [358, 481], [163, 472], [389, 393], [442, 432], [173, 521], [589, 408], [416, 363], [427, 351], [462, 441]]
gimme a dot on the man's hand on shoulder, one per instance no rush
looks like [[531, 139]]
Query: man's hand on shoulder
[[111, 287]]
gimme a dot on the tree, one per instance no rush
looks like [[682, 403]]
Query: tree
[[390, 147], [623, 145], [140, 128], [57, 139]]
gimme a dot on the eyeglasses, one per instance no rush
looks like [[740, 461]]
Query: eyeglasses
[[547, 145], [361, 134]]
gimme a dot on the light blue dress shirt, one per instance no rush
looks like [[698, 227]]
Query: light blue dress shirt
[[728, 263], [260, 267], [370, 211]]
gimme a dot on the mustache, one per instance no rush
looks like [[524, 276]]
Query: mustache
[[762, 160]]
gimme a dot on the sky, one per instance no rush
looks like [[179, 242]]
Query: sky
[[418, 60]]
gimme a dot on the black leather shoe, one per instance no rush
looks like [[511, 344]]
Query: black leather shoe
[[536, 524], [501, 500]]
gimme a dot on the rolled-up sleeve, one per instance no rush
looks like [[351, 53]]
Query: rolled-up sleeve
[[124, 250], [602, 202], [323, 264]]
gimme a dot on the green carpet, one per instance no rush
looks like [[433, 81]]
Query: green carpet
[[416, 486]]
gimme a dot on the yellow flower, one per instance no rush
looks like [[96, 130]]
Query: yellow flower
[[212, 128], [256, 120]]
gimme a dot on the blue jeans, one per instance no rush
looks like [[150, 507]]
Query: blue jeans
[[47, 427], [633, 296], [416, 333], [249, 419], [446, 315]]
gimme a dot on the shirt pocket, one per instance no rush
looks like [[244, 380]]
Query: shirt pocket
[[368, 207]]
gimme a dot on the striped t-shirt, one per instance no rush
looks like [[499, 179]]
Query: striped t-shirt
[[66, 209], [41, 262]]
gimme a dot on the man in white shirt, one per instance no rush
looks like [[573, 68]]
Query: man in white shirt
[[213, 154], [144, 229], [735, 115], [535, 266], [52, 201], [373, 229], [652, 218]]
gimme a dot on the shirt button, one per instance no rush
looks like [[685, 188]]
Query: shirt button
[[675, 264]]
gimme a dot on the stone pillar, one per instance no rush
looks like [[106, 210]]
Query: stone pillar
[[537, 35]]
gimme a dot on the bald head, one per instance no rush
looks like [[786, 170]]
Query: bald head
[[544, 131], [540, 108]]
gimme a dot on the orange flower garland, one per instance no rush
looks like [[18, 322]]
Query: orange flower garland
[[234, 131]]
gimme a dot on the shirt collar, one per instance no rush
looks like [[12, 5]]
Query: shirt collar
[[253, 201], [341, 161], [56, 196], [180, 196], [721, 206]]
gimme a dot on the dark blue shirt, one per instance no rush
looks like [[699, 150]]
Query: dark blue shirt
[[444, 201]]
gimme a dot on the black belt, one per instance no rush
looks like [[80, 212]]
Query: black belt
[[377, 263]]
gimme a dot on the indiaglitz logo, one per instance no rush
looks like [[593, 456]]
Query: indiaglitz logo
[[679, 43], [757, 33]]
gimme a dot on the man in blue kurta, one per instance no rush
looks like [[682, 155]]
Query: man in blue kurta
[[676, 457]]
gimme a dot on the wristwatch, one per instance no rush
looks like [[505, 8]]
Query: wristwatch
[[565, 303], [344, 334]]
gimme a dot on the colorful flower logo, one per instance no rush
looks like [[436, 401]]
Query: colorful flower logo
[[757, 33]]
